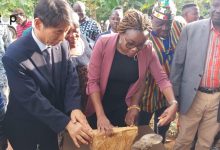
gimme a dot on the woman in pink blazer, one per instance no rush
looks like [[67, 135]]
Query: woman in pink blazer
[[117, 71]]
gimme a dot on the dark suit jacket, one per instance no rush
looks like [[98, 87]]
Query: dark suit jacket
[[37, 96]]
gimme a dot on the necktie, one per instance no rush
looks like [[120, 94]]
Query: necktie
[[47, 57]]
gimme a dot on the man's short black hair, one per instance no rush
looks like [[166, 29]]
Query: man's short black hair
[[119, 8], [53, 12], [188, 5]]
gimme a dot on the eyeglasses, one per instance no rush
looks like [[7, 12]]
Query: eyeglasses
[[130, 45]]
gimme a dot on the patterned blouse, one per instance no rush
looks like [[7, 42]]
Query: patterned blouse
[[90, 28], [5, 41], [153, 98]]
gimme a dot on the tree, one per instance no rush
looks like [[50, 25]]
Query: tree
[[7, 6], [204, 6], [101, 9]]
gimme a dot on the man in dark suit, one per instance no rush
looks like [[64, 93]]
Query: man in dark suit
[[44, 88]]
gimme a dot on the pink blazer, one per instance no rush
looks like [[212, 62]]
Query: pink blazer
[[101, 62]]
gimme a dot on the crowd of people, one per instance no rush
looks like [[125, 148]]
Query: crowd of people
[[63, 73]]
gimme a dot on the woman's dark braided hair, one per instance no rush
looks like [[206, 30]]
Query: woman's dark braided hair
[[134, 19]]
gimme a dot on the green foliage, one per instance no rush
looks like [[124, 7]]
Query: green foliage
[[101, 9], [204, 6], [104, 8], [7, 6]]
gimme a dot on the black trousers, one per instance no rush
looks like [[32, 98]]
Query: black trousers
[[24, 135], [145, 117]]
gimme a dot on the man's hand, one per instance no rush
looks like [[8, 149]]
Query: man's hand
[[168, 115], [79, 133], [78, 116]]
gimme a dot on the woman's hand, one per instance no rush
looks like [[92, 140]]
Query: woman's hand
[[131, 116], [168, 115], [104, 125]]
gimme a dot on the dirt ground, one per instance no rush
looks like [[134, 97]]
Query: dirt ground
[[171, 135], [170, 138], [169, 145]]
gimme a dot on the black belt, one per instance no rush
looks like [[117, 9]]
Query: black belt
[[209, 90]]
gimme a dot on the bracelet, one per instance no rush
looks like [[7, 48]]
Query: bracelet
[[173, 102], [134, 107]]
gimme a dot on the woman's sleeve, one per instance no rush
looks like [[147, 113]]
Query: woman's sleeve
[[94, 69], [158, 73]]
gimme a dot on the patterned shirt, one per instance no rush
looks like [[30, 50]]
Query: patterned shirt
[[211, 76], [21, 28], [5, 40], [90, 28], [153, 98], [5, 37]]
